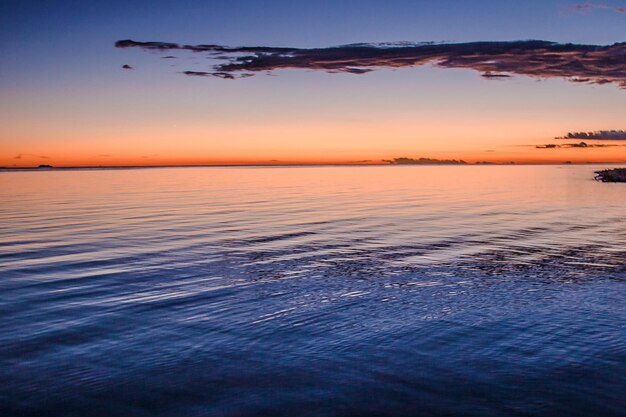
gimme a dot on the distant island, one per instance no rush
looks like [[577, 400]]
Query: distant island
[[612, 175], [424, 161]]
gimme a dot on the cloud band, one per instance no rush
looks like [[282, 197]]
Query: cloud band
[[595, 64], [598, 135]]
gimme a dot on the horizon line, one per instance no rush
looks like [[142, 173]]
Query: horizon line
[[85, 167]]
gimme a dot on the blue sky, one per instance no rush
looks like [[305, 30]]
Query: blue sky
[[72, 36]]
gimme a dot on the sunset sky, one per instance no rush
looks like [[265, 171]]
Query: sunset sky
[[66, 99]]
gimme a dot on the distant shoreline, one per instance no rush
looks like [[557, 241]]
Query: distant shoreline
[[127, 167]]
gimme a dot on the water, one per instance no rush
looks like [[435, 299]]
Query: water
[[343, 291]]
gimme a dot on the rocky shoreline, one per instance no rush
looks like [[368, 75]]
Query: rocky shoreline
[[612, 175]]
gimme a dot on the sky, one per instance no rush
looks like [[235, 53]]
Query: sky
[[67, 100]]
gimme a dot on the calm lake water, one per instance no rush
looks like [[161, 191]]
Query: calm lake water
[[342, 291]]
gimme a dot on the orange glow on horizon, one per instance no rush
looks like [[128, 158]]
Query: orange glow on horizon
[[292, 143], [532, 156]]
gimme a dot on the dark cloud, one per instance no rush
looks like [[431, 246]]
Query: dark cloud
[[224, 75], [588, 6], [597, 135], [574, 145], [493, 76], [198, 73], [548, 146], [147, 45], [594, 64]]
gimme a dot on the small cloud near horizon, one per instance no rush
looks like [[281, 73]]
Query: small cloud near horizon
[[574, 145], [423, 161], [590, 64], [19, 156], [596, 135]]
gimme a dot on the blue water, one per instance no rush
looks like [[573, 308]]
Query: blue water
[[340, 291]]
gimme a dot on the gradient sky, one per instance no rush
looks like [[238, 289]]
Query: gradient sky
[[65, 99]]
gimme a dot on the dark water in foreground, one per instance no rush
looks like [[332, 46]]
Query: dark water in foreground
[[362, 291]]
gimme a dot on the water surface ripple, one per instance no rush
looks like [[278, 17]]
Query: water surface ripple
[[341, 291]]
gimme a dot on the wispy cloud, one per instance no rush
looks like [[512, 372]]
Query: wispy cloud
[[21, 155], [594, 64], [589, 6], [597, 135]]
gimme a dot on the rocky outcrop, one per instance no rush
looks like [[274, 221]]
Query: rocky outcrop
[[612, 175]]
